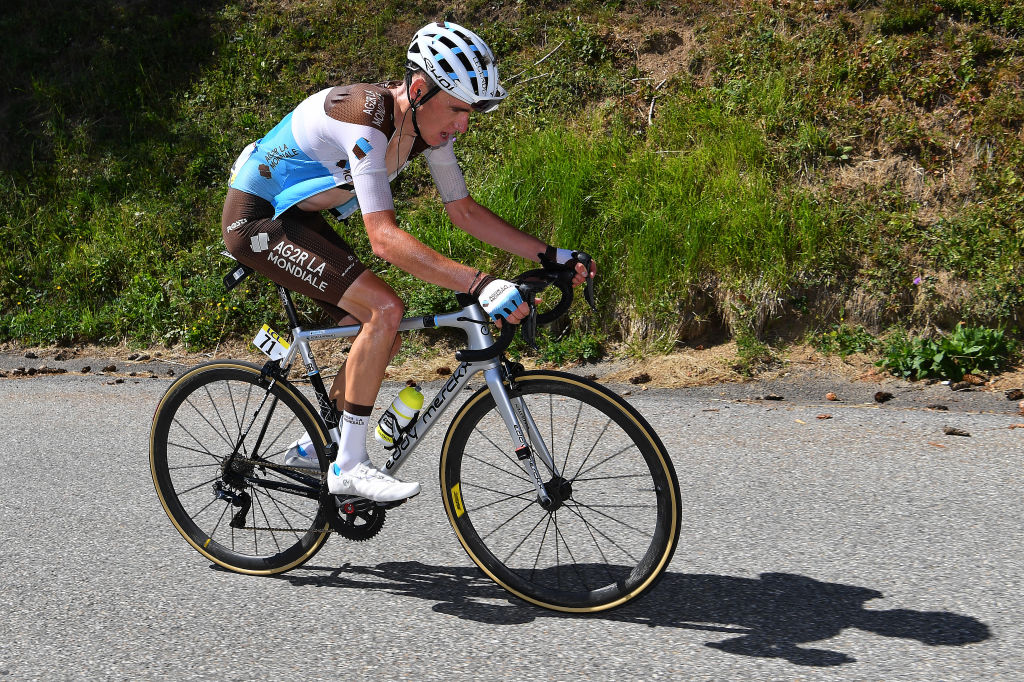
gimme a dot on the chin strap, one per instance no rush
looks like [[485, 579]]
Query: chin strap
[[418, 101]]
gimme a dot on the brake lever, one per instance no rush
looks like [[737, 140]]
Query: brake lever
[[528, 327], [588, 289]]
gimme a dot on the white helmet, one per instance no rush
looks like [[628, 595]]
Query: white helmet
[[459, 62]]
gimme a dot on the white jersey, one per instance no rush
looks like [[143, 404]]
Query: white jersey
[[340, 137]]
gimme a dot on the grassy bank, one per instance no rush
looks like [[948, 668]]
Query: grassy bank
[[759, 170]]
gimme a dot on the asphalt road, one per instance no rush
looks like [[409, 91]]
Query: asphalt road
[[866, 546]]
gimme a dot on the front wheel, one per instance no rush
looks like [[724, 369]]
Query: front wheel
[[614, 524]]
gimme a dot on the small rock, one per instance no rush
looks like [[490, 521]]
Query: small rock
[[31, 371], [824, 416], [625, 393], [19, 372], [443, 371], [1014, 394], [159, 354], [974, 380], [950, 431], [132, 374], [883, 397], [591, 377], [170, 372], [143, 357], [119, 380], [772, 396], [831, 396], [3, 374], [110, 368], [133, 356], [86, 369], [960, 386], [60, 357], [31, 356], [641, 378], [942, 408], [931, 381]]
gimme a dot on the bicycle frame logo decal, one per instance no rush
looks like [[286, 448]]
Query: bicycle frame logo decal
[[411, 435]]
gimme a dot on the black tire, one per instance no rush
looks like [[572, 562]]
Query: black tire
[[614, 535], [195, 429]]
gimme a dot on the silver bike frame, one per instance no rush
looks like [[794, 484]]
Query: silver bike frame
[[474, 322]]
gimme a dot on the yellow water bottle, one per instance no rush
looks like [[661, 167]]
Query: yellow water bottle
[[398, 415]]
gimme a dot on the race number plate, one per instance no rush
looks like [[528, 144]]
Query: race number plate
[[271, 343]]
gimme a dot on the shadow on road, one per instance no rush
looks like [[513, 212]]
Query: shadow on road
[[768, 617]]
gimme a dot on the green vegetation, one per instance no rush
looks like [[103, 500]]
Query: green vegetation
[[842, 339], [966, 350], [785, 157]]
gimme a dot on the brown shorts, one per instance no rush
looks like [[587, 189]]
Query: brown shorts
[[299, 250]]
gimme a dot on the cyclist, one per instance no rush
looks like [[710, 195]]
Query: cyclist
[[339, 149]]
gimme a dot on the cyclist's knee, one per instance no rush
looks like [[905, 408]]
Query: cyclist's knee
[[388, 311]]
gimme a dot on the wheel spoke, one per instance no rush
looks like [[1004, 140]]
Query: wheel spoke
[[596, 441], [508, 520], [495, 466], [607, 516], [198, 485], [523, 541], [503, 453], [602, 534], [603, 461], [213, 428]]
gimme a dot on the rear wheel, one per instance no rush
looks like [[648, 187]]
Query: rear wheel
[[614, 524], [217, 450]]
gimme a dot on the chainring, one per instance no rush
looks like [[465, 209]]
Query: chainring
[[357, 518]]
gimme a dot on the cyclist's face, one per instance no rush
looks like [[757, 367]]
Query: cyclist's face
[[442, 118]]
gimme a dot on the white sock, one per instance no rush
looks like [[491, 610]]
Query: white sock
[[353, 441]]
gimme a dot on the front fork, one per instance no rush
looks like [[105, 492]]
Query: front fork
[[521, 426]]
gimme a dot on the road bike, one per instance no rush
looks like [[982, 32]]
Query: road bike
[[556, 487]]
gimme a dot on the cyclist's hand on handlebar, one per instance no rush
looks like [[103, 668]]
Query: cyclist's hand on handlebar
[[502, 301], [581, 273], [571, 258], [517, 315]]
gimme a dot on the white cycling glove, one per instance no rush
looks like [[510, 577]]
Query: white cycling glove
[[499, 298]]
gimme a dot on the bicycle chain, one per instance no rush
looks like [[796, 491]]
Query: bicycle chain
[[357, 536], [279, 467]]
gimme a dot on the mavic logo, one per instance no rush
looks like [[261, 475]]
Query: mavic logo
[[259, 242]]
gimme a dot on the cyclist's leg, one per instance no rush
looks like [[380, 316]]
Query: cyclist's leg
[[301, 252], [371, 301], [297, 250], [337, 392]]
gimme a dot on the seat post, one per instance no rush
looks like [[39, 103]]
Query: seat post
[[289, 307]]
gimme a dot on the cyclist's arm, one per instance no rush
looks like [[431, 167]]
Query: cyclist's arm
[[404, 251], [480, 222], [324, 200], [393, 244]]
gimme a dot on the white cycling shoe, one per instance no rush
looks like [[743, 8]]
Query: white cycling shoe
[[363, 480], [301, 454]]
